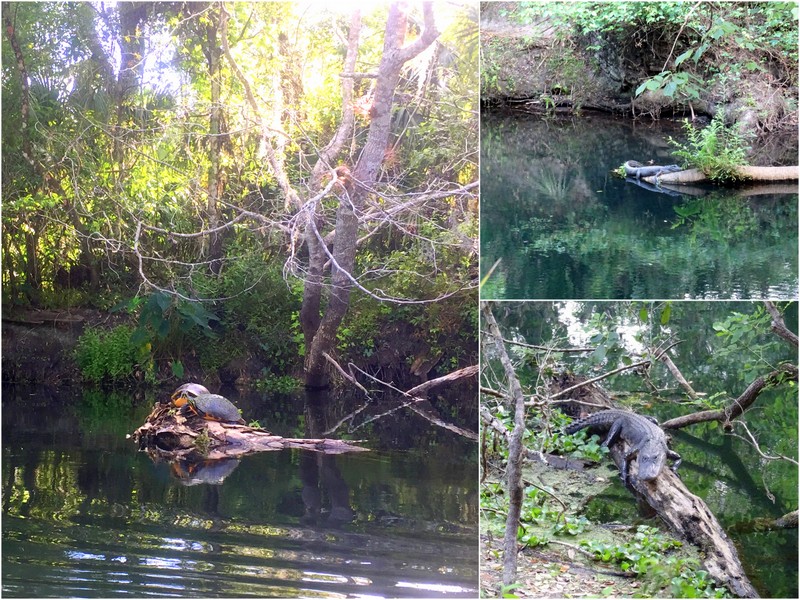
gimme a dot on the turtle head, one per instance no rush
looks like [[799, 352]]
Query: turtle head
[[188, 390]]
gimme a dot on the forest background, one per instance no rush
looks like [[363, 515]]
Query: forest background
[[211, 181]]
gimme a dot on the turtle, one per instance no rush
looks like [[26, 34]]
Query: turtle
[[193, 398]]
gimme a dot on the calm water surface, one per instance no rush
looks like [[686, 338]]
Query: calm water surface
[[85, 514], [563, 226]]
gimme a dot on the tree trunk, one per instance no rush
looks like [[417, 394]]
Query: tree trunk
[[310, 313], [364, 177], [32, 274], [215, 182], [515, 453], [24, 78]]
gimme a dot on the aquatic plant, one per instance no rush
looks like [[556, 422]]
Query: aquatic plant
[[716, 150], [553, 185]]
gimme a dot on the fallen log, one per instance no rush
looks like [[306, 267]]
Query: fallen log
[[746, 173], [691, 519], [170, 435]]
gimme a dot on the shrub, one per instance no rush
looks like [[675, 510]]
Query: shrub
[[107, 355], [716, 150]]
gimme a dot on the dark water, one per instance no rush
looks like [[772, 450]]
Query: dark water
[[564, 227], [85, 514]]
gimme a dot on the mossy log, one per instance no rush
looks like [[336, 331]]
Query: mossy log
[[746, 173], [172, 435]]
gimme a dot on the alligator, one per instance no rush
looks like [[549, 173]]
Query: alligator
[[647, 440], [638, 170]]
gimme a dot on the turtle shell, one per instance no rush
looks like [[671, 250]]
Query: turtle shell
[[215, 407]]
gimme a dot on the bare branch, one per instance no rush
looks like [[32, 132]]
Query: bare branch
[[752, 441], [547, 348], [470, 371], [348, 376], [778, 325], [737, 407]]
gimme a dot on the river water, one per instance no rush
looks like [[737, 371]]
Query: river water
[[85, 514], [562, 226]]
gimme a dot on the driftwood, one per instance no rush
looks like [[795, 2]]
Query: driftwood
[[169, 435], [746, 173], [43, 317]]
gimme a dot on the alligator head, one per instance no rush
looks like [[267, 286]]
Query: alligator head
[[651, 458]]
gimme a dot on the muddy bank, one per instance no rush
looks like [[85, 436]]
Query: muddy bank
[[538, 63], [38, 346]]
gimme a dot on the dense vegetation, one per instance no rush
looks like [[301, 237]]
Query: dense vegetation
[[699, 58], [175, 161]]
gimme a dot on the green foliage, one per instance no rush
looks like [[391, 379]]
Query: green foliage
[[259, 312], [571, 525], [647, 556], [177, 369], [715, 149], [680, 84], [579, 445], [618, 19], [507, 591], [745, 338], [281, 384], [718, 218], [108, 355], [638, 555]]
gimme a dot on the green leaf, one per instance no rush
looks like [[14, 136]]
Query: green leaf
[[654, 84], [699, 52], [684, 56], [177, 369], [139, 337], [666, 313]]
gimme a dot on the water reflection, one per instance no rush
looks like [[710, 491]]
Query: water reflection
[[563, 226], [84, 514], [213, 472]]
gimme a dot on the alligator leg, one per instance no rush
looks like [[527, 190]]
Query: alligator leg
[[613, 436], [626, 463], [613, 433]]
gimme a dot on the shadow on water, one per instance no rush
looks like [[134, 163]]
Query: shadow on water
[[564, 227], [85, 514]]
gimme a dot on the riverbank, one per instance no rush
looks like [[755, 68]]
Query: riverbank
[[643, 60]]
